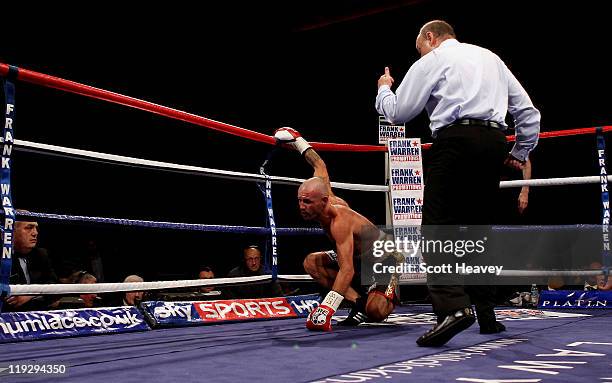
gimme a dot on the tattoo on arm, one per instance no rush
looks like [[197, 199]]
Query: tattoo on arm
[[313, 158], [320, 169]]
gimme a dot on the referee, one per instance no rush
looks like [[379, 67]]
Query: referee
[[467, 92]]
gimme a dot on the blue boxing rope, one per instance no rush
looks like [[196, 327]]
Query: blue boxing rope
[[605, 202], [271, 224], [174, 225], [6, 261], [248, 229]]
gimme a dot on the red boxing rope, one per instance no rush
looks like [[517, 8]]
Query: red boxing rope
[[568, 132], [101, 94], [105, 95]]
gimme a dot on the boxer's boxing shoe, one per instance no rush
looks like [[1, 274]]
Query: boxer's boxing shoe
[[355, 318], [357, 315], [450, 326]]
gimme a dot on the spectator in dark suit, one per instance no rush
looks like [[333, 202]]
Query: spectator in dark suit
[[251, 266], [31, 265]]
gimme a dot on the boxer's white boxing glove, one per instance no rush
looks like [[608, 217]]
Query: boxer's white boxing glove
[[292, 138], [320, 318]]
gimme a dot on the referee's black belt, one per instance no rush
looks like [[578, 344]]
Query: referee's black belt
[[475, 122]]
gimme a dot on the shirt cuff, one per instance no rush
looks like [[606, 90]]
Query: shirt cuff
[[519, 153], [383, 91], [383, 88]]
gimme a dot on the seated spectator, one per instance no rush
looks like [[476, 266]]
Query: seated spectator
[[132, 298], [251, 265], [30, 265], [83, 300], [127, 298], [597, 282], [581, 282], [89, 300], [211, 292], [556, 283]]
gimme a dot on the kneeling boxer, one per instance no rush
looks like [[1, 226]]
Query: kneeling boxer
[[336, 270]]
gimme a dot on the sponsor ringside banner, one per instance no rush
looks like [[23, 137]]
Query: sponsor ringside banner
[[388, 131], [208, 312], [19, 326], [575, 299], [406, 187]]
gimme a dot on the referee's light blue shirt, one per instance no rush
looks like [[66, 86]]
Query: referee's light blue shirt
[[456, 81]]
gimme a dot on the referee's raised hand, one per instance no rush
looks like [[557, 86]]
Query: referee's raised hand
[[386, 78]]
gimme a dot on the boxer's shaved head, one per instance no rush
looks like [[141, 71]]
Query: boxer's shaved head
[[313, 198], [316, 185]]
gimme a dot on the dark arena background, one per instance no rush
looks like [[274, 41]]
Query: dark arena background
[[312, 65], [309, 65]]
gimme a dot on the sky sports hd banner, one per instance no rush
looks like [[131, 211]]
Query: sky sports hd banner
[[192, 313], [64, 323]]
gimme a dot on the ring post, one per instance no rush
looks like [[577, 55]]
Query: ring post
[[267, 191], [6, 262], [605, 202]]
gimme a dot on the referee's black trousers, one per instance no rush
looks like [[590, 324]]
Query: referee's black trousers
[[461, 188]]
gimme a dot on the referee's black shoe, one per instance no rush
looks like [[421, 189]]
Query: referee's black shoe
[[450, 326]]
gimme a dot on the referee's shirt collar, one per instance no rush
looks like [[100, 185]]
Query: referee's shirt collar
[[448, 43]]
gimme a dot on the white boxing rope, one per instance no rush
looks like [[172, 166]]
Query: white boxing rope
[[295, 277], [550, 273], [525, 273], [167, 166], [90, 288], [553, 181]]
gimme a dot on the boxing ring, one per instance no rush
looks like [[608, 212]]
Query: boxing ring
[[539, 345], [550, 349]]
